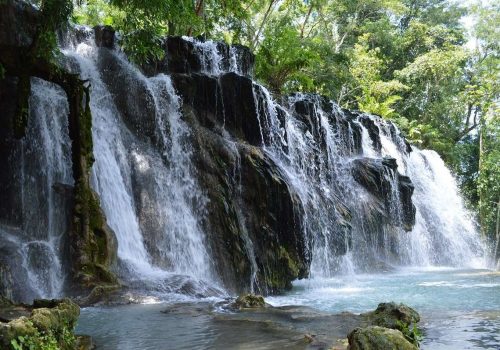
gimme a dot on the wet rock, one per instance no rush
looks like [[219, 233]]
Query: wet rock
[[249, 301], [11, 211], [255, 213], [392, 315], [378, 338], [378, 177], [84, 342], [408, 208], [18, 23], [104, 36], [131, 95], [373, 131], [182, 56], [227, 101], [103, 294]]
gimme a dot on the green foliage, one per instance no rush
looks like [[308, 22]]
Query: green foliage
[[44, 340], [413, 334], [280, 62]]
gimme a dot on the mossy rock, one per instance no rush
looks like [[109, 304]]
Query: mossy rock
[[378, 338], [102, 294], [52, 323], [249, 301], [392, 315]]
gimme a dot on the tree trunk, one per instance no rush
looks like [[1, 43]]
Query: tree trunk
[[253, 44]]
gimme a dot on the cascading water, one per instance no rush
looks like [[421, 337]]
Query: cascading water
[[350, 172], [446, 225], [34, 248], [111, 171], [317, 157], [180, 199], [144, 189], [49, 132]]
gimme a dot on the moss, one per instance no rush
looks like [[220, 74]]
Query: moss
[[378, 338], [249, 301], [49, 328], [288, 261]]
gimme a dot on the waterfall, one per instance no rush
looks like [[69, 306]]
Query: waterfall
[[49, 132], [35, 247], [180, 197], [365, 200], [317, 155], [111, 170], [446, 225], [444, 232], [144, 188]]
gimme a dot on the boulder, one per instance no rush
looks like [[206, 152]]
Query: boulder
[[392, 315], [378, 338], [50, 320], [249, 301]]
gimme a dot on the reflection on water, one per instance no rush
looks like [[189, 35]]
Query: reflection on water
[[189, 327], [459, 309]]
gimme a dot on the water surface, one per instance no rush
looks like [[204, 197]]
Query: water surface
[[460, 309]]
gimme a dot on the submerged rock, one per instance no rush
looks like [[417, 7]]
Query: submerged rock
[[378, 338]]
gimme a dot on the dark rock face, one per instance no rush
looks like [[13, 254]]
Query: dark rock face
[[131, 95], [10, 150], [408, 208], [182, 56], [249, 201], [104, 36], [380, 177], [226, 102], [373, 131], [18, 21]]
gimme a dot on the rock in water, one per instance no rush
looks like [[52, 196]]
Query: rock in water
[[249, 301], [392, 315], [378, 338]]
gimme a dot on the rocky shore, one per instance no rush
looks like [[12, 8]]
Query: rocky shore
[[50, 324]]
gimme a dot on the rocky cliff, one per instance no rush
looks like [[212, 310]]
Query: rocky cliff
[[267, 192]]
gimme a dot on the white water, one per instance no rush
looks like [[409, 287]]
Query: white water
[[316, 154], [46, 163], [444, 232], [181, 200], [173, 197], [111, 170], [212, 60], [442, 219]]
